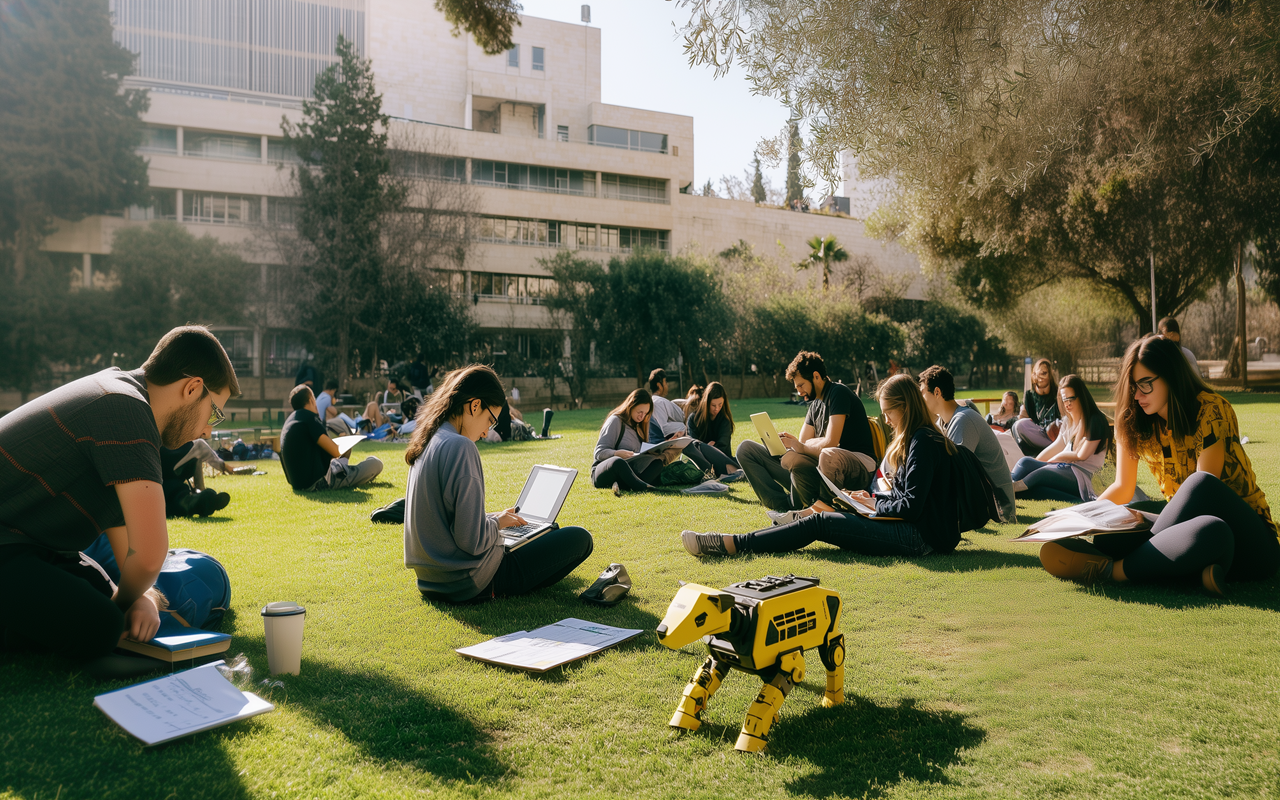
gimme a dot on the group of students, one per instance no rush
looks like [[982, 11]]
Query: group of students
[[84, 461]]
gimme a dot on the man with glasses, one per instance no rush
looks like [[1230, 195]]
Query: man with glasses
[[84, 460], [310, 459]]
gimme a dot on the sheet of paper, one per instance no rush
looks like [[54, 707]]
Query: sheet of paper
[[179, 704], [549, 646], [678, 442], [346, 443]]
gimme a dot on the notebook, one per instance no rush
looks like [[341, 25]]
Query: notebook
[[180, 646], [540, 500], [843, 502], [768, 433]]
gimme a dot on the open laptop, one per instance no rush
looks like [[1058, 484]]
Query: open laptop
[[768, 433], [540, 500]]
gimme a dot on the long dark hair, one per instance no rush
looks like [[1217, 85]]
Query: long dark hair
[[1088, 406], [474, 382], [1134, 427], [638, 397], [701, 413]]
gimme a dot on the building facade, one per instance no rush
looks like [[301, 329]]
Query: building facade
[[550, 165]]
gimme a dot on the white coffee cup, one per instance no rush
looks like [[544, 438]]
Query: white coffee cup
[[283, 621]]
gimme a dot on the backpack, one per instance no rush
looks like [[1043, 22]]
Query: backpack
[[879, 439], [975, 495], [680, 472], [195, 584]]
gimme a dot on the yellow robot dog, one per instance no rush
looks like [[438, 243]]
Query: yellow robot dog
[[762, 627]]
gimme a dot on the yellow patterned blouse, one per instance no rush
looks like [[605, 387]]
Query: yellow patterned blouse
[[1174, 462]]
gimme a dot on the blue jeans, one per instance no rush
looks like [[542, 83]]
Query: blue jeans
[[1047, 481], [847, 531]]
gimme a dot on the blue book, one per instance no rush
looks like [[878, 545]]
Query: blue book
[[180, 646]]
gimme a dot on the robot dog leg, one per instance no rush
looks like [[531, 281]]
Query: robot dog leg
[[698, 693], [832, 655], [763, 712]]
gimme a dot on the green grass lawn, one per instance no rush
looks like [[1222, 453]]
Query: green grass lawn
[[969, 675]]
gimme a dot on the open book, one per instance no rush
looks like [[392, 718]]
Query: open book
[[678, 443], [1086, 519], [178, 705]]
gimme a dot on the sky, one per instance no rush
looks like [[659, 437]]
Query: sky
[[643, 65]]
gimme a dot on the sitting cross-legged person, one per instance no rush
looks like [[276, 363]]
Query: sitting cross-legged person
[[310, 459]]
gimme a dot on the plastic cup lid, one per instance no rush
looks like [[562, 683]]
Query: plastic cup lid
[[284, 608]]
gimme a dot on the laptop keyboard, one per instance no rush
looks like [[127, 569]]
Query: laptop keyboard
[[523, 530]]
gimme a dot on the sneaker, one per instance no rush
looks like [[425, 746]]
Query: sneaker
[[222, 501], [1214, 578], [703, 544], [731, 477], [1076, 561], [783, 517], [1019, 487], [617, 491]]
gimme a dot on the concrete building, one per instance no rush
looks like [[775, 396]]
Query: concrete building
[[550, 164]]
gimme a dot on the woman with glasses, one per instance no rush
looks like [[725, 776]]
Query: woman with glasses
[[450, 542], [1064, 470], [1217, 524]]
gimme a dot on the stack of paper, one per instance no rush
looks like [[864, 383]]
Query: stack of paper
[[1086, 519], [549, 646]]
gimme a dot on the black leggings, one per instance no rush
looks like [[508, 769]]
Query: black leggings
[[707, 457], [1205, 523], [617, 470], [540, 563], [847, 531], [52, 601]]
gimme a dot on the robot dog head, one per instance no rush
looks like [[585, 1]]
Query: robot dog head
[[695, 612]]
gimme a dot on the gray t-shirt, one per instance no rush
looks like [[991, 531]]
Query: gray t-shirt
[[968, 428]]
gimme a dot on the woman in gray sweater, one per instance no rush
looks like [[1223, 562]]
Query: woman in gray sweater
[[625, 431], [449, 541]]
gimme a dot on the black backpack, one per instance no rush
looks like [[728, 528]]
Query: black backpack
[[976, 503]]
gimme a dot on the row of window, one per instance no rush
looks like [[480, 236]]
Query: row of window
[[528, 177], [539, 58], [605, 136], [228, 146], [214, 208], [549, 233]]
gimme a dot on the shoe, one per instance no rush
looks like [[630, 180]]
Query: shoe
[[547, 414], [1214, 578], [207, 502], [783, 517], [1075, 561], [223, 500], [732, 477], [1019, 487], [703, 544], [617, 492]]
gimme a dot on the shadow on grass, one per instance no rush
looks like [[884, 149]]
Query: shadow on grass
[[1189, 594], [356, 494], [55, 743], [862, 748]]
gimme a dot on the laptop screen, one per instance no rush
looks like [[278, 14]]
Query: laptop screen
[[544, 489]]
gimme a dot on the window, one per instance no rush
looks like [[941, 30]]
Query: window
[[539, 60], [639, 237], [279, 152], [605, 136], [515, 288], [159, 140], [628, 187], [221, 145], [429, 166], [284, 352], [221, 209], [533, 179], [570, 235], [513, 56], [163, 206], [562, 133], [282, 212], [238, 345]]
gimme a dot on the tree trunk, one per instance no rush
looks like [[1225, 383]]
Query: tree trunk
[[344, 355], [1240, 318]]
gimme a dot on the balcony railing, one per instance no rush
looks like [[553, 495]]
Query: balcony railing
[[526, 187], [564, 246]]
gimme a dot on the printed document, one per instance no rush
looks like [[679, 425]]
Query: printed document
[[549, 646]]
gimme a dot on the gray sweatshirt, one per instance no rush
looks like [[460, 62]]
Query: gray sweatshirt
[[449, 541], [609, 435]]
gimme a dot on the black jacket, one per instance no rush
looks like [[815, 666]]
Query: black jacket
[[924, 492], [718, 430]]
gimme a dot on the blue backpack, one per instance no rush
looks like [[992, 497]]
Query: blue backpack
[[195, 584]]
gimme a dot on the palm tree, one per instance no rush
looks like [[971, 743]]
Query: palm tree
[[824, 250]]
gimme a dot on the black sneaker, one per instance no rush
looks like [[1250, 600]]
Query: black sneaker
[[703, 544], [222, 501]]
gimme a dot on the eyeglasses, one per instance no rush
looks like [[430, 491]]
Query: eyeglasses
[[1066, 401], [215, 414], [1145, 385], [492, 417]]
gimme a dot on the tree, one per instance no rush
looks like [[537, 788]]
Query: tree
[[757, 182], [577, 306], [795, 183], [345, 193], [824, 251], [67, 127], [708, 190], [490, 22]]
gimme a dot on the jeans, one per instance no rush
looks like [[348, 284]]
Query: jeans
[[1205, 523], [847, 531], [707, 457], [1030, 436], [783, 483], [52, 600], [342, 475], [617, 470], [1047, 481]]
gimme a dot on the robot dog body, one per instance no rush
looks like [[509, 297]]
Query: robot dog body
[[761, 627]]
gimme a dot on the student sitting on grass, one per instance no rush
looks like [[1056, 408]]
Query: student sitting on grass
[[621, 438], [1217, 524], [1004, 416], [453, 546], [965, 426], [711, 421], [85, 459], [1037, 425], [668, 421], [310, 459], [1064, 470], [921, 496], [183, 469], [835, 438]]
